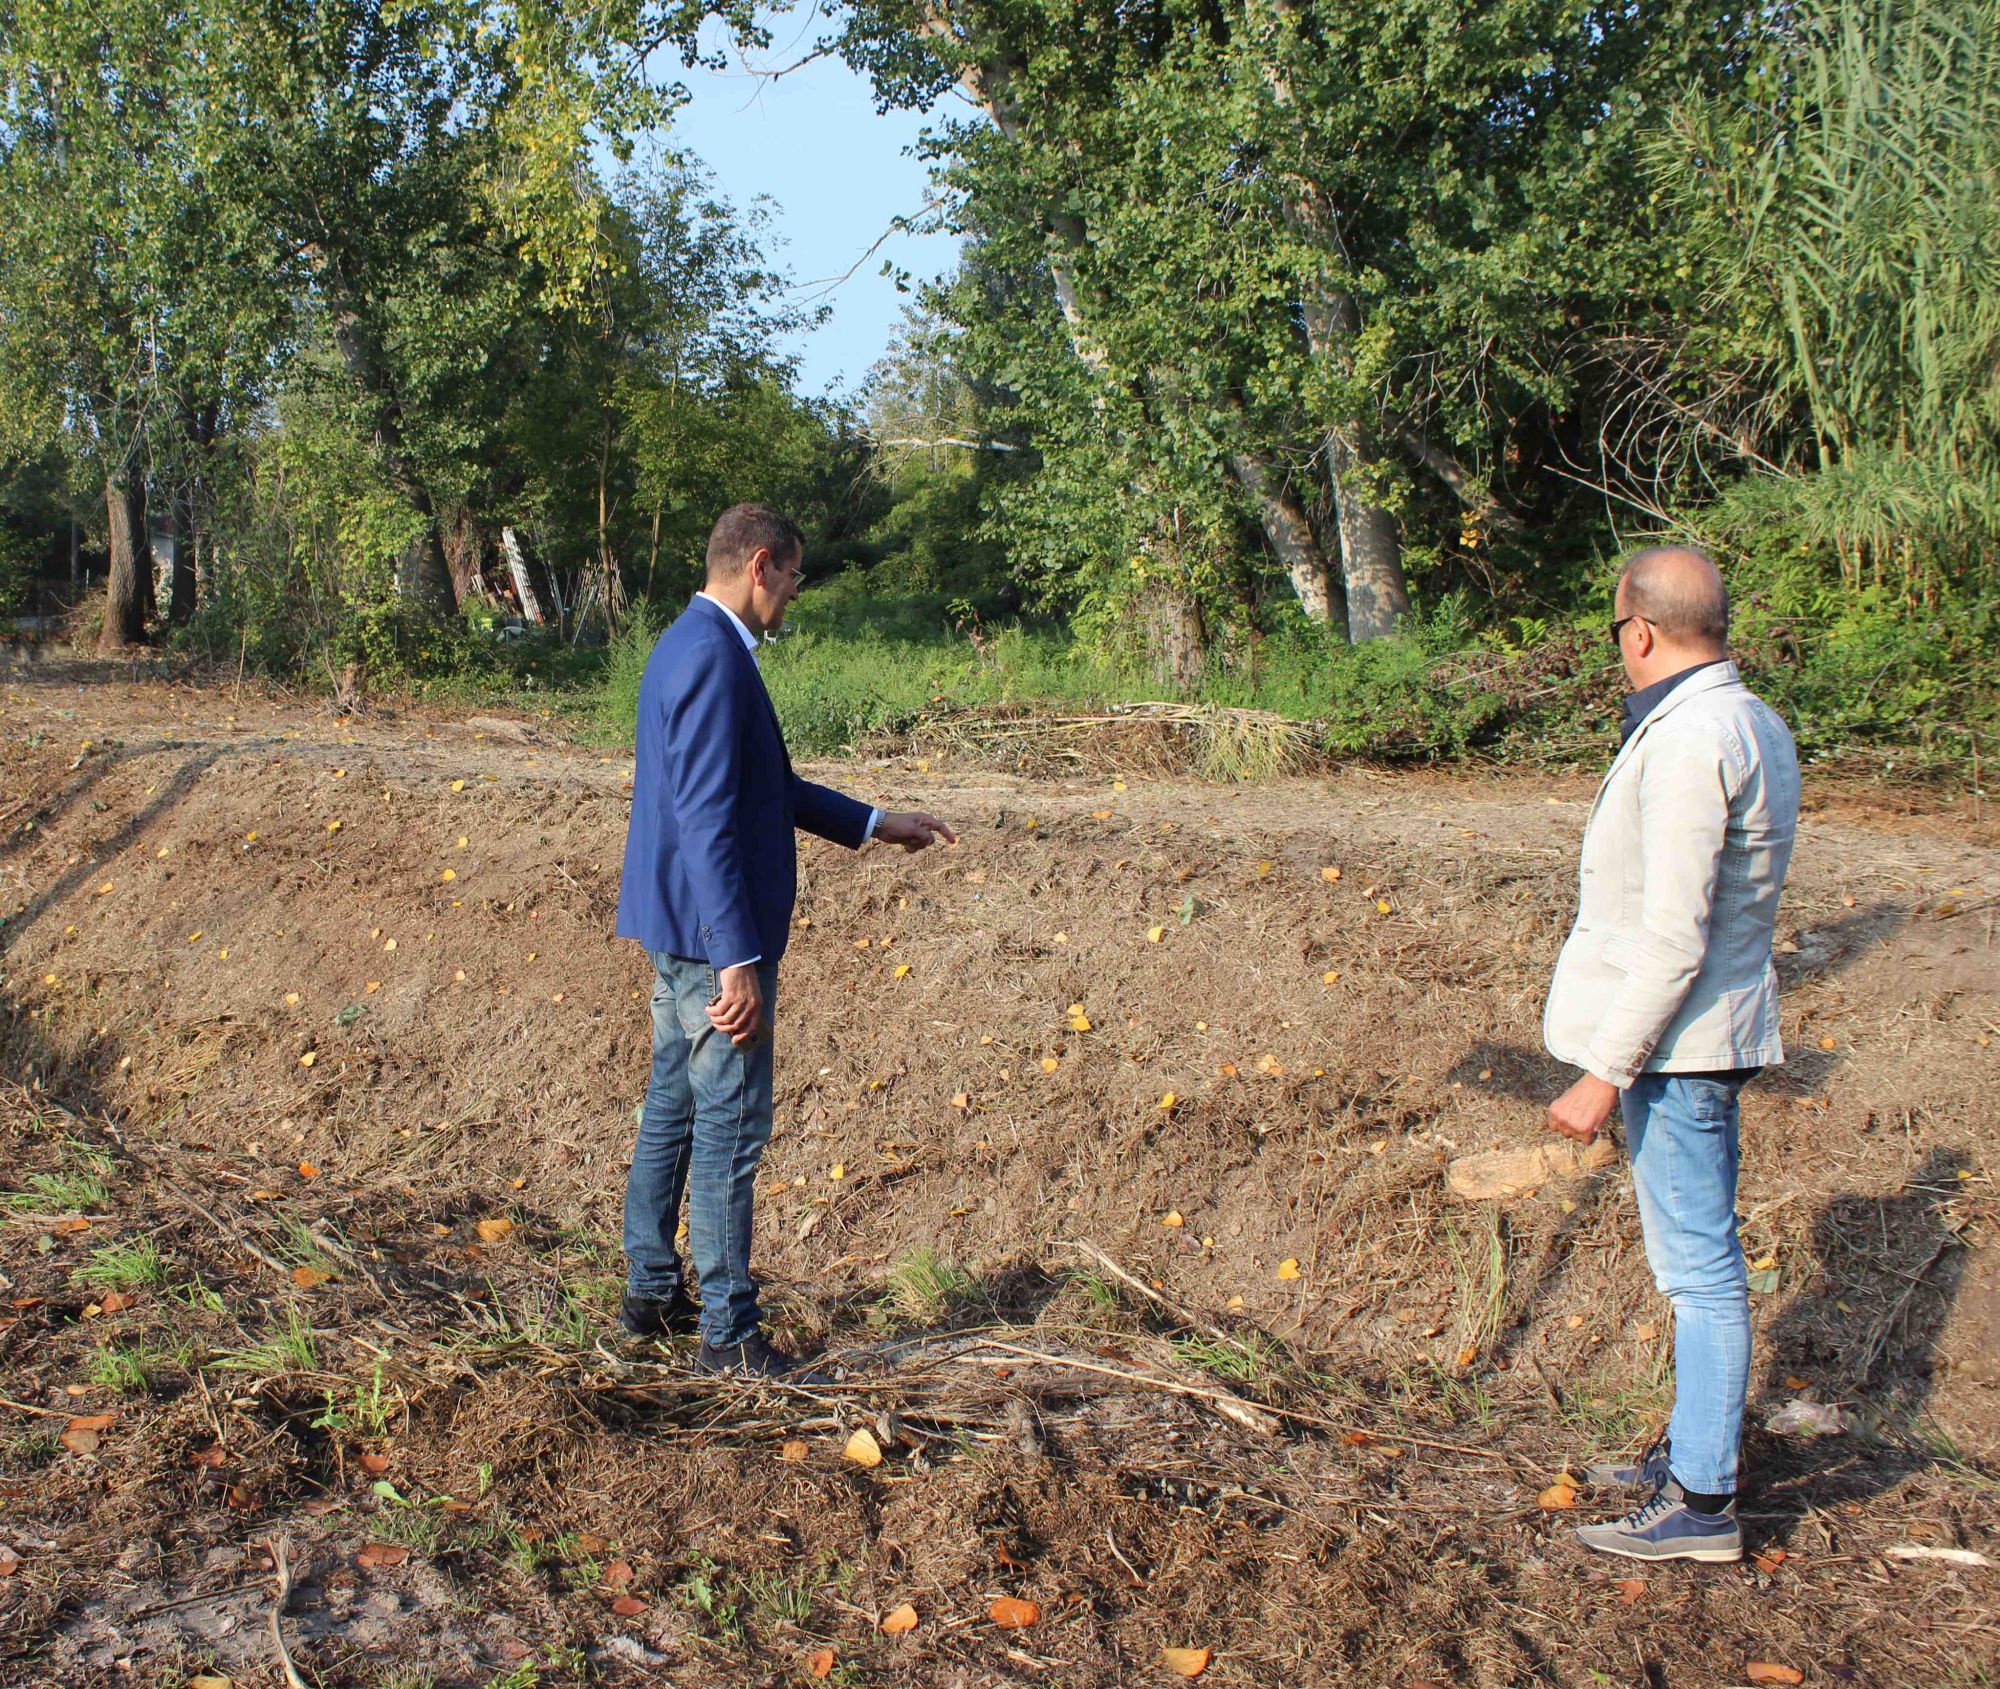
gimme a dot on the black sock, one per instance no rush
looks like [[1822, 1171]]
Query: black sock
[[1696, 1502]]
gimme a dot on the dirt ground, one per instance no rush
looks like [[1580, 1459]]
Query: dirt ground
[[1108, 1178]]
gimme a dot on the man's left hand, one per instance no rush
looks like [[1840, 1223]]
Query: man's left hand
[[1583, 1108], [913, 829]]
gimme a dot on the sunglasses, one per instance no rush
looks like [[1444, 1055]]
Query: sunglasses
[[1618, 629]]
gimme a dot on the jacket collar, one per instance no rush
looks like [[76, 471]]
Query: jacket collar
[[1710, 679], [743, 632]]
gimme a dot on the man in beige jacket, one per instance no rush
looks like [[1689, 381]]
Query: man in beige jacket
[[1666, 997]]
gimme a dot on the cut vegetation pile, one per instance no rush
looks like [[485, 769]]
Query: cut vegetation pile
[[1109, 1174]]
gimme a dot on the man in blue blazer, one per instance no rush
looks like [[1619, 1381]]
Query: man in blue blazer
[[711, 874]]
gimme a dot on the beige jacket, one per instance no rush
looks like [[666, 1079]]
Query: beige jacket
[[1668, 968]]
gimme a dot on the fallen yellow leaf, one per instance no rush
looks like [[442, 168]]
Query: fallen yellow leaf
[[1557, 1497], [902, 970], [1329, 875], [1168, 1101], [306, 1278], [1155, 934], [1329, 976], [1263, 868], [1288, 1269], [901, 1621], [1172, 1217], [309, 1058], [862, 1448], [1188, 1662], [333, 826], [493, 1230], [1050, 1064], [1011, 1613], [458, 785], [1381, 906], [448, 875]]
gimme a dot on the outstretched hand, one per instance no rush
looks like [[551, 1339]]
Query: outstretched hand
[[913, 829]]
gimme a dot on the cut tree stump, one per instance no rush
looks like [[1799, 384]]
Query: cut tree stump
[[1502, 1173]]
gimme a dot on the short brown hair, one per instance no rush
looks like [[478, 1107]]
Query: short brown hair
[[743, 530]]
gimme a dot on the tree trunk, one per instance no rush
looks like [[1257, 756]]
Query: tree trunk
[[1371, 550], [1175, 635], [181, 589], [1289, 530], [465, 555], [128, 591], [1286, 529], [421, 572]]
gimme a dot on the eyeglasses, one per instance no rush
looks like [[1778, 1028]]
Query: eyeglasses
[[1618, 629]]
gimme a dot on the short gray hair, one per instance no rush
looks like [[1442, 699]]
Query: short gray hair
[[1679, 590]]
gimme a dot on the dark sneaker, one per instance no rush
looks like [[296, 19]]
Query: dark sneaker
[[755, 1357], [1666, 1528], [678, 1315], [1648, 1471]]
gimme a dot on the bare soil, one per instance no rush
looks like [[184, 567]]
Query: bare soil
[[317, 1001]]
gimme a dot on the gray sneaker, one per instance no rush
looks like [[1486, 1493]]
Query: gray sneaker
[[1648, 1471], [1666, 1528]]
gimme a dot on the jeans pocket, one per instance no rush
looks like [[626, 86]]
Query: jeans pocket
[[1711, 1102]]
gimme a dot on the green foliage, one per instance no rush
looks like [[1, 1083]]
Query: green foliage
[[1846, 210]]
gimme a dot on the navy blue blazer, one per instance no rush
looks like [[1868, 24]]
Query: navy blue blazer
[[711, 863]]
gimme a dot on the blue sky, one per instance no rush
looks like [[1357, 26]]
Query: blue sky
[[840, 175]]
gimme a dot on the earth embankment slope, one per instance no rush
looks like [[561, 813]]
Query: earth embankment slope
[[1228, 1036]]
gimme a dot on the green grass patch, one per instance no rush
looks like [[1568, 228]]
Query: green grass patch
[[72, 1191], [132, 1369], [925, 1285], [135, 1265], [1248, 1359], [293, 1349]]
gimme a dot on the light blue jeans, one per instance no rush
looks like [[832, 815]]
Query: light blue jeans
[[702, 1132], [1682, 1131]]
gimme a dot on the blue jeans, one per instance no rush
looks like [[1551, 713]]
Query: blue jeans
[[1681, 1128], [703, 1130]]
